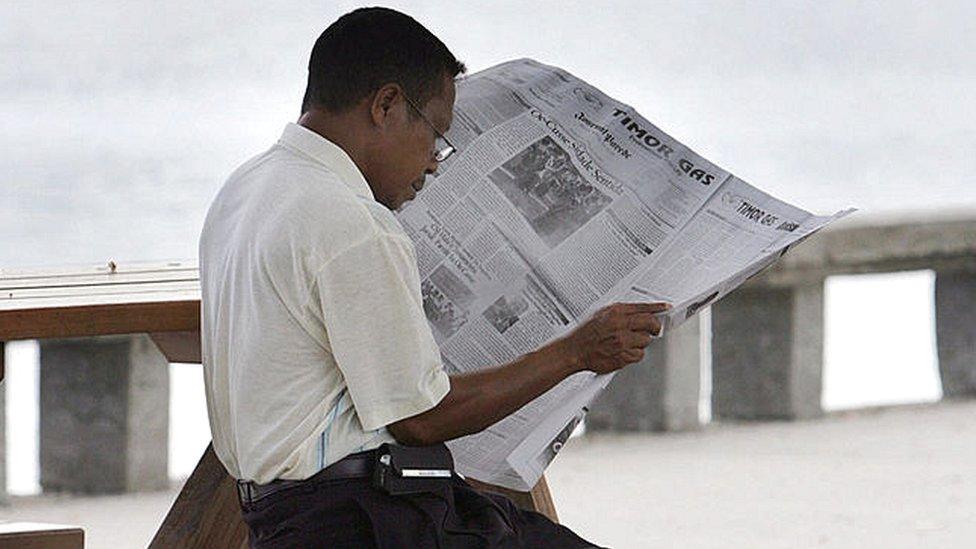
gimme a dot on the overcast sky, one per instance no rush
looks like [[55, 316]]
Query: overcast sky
[[121, 119]]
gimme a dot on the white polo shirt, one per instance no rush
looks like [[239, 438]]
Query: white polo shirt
[[313, 329]]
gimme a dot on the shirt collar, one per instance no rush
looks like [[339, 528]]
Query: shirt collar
[[327, 153]]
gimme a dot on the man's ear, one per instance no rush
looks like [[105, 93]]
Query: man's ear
[[381, 109]]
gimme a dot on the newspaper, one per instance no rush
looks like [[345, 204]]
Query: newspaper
[[559, 201]]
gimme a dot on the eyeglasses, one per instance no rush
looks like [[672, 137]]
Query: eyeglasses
[[442, 147]]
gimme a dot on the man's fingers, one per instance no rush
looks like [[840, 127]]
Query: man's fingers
[[645, 323], [625, 340], [644, 308], [631, 356], [628, 341], [639, 340]]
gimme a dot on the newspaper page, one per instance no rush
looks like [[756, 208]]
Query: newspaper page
[[561, 200]]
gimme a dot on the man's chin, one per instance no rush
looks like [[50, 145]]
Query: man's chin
[[392, 204], [398, 203]]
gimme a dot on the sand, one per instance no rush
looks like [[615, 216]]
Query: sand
[[897, 477]]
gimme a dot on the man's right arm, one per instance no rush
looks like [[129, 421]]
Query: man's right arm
[[612, 338]]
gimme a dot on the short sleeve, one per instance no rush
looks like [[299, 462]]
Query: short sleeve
[[374, 317]]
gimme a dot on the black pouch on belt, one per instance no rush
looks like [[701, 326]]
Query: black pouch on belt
[[412, 469]]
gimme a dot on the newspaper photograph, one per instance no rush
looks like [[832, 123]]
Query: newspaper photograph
[[561, 200]]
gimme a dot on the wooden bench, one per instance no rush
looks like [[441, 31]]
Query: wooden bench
[[36, 535], [162, 300]]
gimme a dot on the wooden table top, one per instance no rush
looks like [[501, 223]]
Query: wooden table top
[[99, 300]]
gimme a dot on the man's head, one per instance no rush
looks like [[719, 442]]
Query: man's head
[[382, 86]]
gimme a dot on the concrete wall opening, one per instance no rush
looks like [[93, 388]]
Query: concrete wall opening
[[879, 344]]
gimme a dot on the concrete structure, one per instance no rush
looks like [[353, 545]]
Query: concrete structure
[[104, 415], [767, 343], [660, 393], [955, 312], [767, 353]]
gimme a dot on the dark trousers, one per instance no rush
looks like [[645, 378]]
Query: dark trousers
[[352, 513]]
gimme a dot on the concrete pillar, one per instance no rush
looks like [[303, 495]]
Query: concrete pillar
[[767, 353], [659, 393], [104, 415], [955, 330]]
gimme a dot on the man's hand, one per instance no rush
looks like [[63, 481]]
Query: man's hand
[[615, 336]]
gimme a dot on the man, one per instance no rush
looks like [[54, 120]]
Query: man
[[315, 346]]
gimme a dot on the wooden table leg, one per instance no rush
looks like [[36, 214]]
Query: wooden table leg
[[206, 514]]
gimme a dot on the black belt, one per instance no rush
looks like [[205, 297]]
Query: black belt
[[358, 465]]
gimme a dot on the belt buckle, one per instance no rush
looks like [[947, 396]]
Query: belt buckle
[[244, 491]]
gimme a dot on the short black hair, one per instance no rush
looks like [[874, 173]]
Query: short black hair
[[369, 47]]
